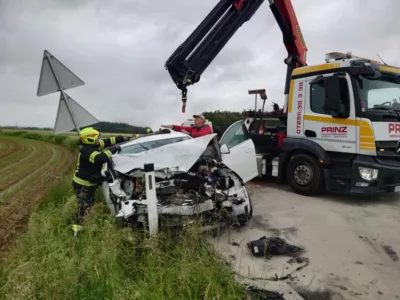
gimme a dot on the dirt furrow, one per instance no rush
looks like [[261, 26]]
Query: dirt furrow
[[3, 145], [12, 147], [17, 157], [22, 148], [14, 213], [29, 175], [9, 166], [25, 169]]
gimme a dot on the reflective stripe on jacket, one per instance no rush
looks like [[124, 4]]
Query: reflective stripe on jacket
[[91, 159]]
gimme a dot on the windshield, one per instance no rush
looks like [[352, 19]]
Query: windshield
[[140, 147], [383, 92]]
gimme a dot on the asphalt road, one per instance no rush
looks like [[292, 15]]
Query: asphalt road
[[352, 244]]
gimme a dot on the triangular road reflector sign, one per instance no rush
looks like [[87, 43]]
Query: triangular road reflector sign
[[65, 118], [47, 81]]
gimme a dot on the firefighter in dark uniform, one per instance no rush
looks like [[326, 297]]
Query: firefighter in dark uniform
[[93, 153]]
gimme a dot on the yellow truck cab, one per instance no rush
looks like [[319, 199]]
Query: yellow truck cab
[[345, 115]]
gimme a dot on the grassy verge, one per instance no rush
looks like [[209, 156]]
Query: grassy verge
[[60, 140], [107, 262], [71, 135]]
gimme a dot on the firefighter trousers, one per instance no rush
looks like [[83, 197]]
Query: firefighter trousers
[[85, 197]]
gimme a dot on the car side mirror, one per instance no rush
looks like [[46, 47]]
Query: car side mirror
[[225, 149], [333, 102]]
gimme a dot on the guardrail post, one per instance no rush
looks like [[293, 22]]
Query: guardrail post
[[151, 198]]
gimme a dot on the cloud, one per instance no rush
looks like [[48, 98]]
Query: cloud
[[120, 51]]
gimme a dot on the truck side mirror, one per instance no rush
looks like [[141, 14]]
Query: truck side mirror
[[333, 97]]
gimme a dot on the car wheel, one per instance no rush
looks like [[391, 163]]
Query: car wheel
[[304, 175]]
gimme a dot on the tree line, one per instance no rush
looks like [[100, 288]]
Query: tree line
[[221, 121], [119, 127]]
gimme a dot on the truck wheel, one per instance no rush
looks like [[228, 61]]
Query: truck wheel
[[304, 175]]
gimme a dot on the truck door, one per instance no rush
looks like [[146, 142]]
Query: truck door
[[238, 151], [333, 134]]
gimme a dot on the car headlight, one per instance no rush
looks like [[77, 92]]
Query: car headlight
[[368, 174]]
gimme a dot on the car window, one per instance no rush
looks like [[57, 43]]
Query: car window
[[235, 135], [140, 147]]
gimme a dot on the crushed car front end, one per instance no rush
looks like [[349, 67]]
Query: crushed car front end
[[191, 182]]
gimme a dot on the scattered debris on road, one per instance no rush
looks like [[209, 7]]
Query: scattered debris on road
[[273, 246], [254, 293], [389, 251]]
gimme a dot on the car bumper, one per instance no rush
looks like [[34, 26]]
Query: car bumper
[[387, 181]]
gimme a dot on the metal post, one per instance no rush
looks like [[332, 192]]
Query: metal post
[[62, 91], [151, 198], [255, 106]]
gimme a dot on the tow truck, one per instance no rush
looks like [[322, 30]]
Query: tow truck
[[339, 128]]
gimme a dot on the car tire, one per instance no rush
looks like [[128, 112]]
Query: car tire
[[305, 175]]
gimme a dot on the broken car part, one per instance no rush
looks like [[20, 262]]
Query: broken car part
[[272, 246], [194, 183]]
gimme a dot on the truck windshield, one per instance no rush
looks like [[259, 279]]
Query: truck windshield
[[380, 93]]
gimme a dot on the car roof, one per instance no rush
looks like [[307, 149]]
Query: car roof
[[156, 137]]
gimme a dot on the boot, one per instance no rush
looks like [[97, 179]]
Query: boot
[[76, 228]]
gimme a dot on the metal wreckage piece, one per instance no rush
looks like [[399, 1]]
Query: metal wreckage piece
[[199, 188]]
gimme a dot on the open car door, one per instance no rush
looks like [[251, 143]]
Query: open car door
[[238, 151]]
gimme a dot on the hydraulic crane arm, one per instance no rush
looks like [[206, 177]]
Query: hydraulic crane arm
[[191, 58], [292, 37]]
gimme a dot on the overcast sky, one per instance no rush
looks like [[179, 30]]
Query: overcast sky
[[118, 48]]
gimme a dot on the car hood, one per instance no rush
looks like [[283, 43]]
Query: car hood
[[177, 157]]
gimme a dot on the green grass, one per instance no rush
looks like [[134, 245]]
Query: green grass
[[67, 140], [107, 262], [71, 134], [61, 140]]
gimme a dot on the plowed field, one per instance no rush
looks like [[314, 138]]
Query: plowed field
[[27, 169]]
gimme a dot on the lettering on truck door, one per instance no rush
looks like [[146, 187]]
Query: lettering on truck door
[[297, 96], [333, 134]]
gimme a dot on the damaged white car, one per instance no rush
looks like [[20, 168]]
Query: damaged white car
[[195, 177]]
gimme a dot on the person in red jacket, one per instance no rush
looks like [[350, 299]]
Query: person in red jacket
[[196, 130]]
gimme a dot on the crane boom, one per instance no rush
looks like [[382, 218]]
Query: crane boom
[[292, 37], [194, 55]]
